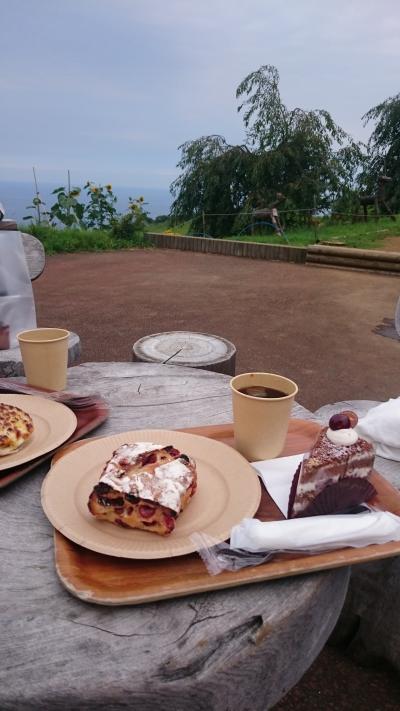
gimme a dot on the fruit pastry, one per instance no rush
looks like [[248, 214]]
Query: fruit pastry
[[16, 428], [145, 486]]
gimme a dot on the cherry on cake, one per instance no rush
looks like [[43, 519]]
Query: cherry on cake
[[333, 477], [145, 486]]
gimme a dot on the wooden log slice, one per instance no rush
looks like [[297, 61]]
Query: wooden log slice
[[194, 350], [239, 649], [35, 255]]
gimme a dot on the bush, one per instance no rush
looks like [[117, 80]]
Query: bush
[[56, 241], [131, 226]]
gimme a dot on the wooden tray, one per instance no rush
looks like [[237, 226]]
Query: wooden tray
[[106, 580]]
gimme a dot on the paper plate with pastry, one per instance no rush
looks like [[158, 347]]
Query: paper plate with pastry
[[141, 494], [31, 426]]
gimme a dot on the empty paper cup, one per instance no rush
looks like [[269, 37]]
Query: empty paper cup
[[45, 357], [262, 403]]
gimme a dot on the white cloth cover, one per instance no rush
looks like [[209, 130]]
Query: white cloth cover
[[316, 533], [17, 306], [381, 426]]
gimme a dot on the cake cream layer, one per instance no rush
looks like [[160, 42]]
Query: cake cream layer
[[329, 463]]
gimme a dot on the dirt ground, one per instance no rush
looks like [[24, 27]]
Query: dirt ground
[[312, 324], [392, 244]]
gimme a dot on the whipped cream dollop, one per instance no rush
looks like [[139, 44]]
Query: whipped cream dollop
[[345, 436]]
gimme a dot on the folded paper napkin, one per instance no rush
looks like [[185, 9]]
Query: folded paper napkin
[[316, 533], [381, 426], [277, 475]]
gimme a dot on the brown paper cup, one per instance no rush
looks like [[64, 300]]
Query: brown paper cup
[[261, 423], [45, 357]]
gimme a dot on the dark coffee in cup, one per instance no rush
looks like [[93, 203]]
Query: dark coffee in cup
[[262, 391]]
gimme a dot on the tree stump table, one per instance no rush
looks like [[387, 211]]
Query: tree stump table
[[194, 350], [370, 621], [241, 648]]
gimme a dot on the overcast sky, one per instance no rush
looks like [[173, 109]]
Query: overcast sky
[[111, 88]]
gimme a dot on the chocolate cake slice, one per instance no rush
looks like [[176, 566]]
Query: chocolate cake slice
[[145, 486], [334, 476]]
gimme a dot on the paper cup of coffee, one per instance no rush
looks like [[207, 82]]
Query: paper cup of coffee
[[262, 403], [45, 357]]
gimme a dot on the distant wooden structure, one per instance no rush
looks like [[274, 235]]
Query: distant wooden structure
[[377, 199], [269, 214]]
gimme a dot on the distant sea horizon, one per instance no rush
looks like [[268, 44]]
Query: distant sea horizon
[[16, 196]]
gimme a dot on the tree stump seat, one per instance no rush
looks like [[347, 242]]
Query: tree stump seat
[[193, 350]]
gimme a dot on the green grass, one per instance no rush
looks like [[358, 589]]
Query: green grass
[[366, 235], [56, 241]]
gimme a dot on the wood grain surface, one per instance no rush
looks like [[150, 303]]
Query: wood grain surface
[[195, 350], [35, 255], [239, 649]]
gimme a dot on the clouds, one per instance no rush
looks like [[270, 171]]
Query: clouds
[[110, 89]]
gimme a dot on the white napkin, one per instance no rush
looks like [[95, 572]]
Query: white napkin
[[316, 533], [277, 475], [381, 426]]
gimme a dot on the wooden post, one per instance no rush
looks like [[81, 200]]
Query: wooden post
[[314, 220]]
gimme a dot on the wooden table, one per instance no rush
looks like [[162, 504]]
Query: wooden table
[[239, 649], [370, 620]]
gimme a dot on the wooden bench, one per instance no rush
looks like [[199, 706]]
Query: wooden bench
[[10, 358]]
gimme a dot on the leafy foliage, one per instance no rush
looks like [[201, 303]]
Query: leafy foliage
[[384, 148], [303, 154], [100, 210], [40, 215], [67, 209], [131, 225]]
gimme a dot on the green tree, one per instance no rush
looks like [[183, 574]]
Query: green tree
[[303, 154], [384, 148]]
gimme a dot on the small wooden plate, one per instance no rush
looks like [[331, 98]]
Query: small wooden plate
[[107, 580]]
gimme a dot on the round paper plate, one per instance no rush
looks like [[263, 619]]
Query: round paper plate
[[228, 490], [53, 423]]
